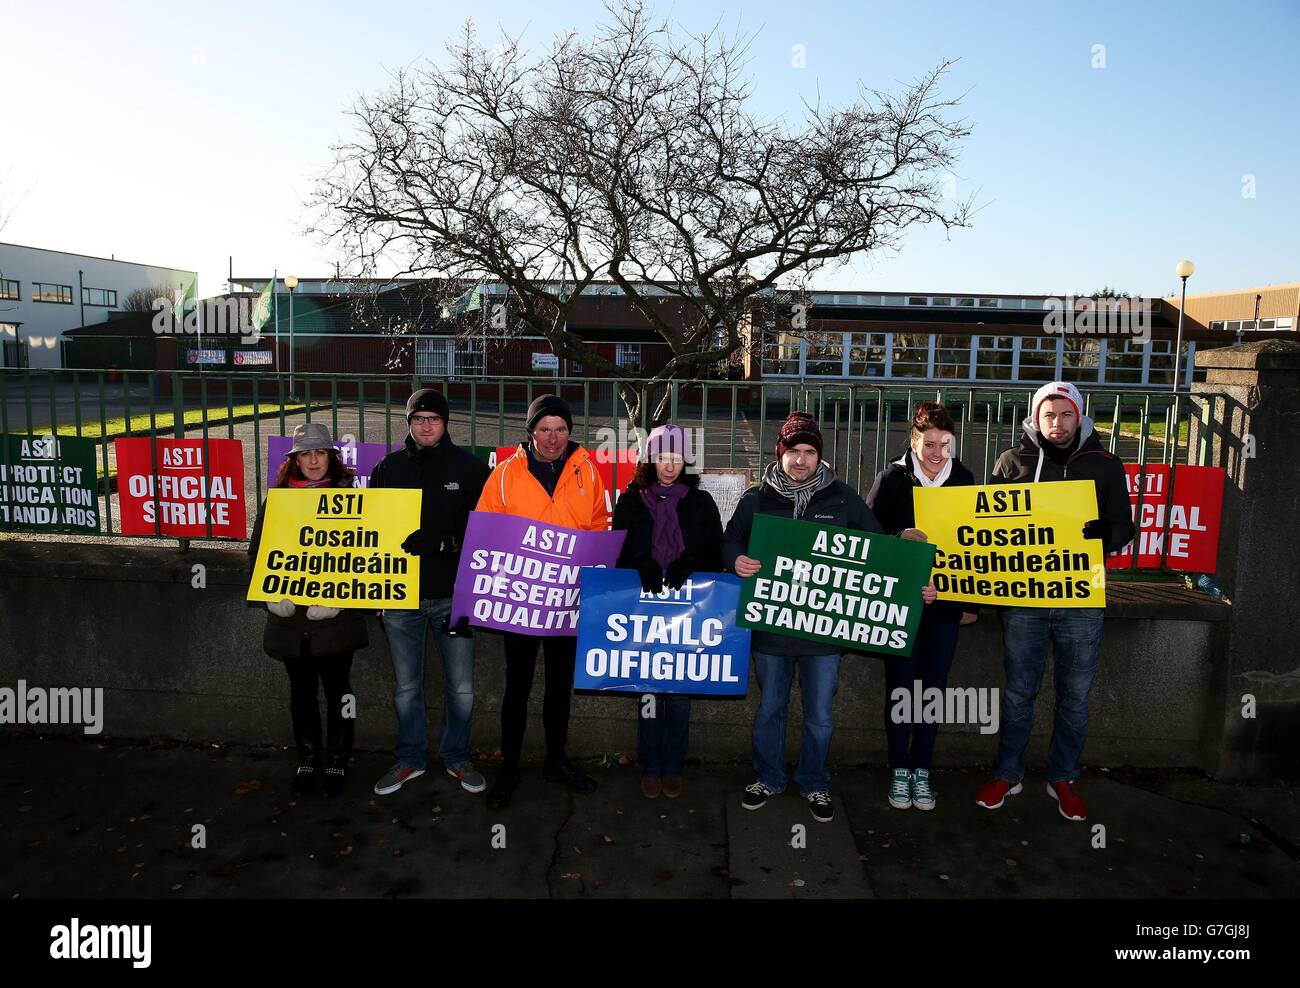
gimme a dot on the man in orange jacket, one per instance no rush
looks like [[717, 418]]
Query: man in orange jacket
[[549, 479]]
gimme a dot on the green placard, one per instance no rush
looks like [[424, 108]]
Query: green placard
[[833, 585], [48, 488]]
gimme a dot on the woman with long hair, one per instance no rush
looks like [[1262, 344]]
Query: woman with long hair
[[673, 530]]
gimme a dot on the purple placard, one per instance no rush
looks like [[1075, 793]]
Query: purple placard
[[521, 575], [360, 457]]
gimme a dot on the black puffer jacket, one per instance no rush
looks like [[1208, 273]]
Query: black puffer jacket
[[284, 638], [451, 479], [1027, 464], [697, 514], [891, 502], [839, 505]]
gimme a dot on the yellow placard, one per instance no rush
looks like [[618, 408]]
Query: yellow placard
[[1017, 544], [339, 548]]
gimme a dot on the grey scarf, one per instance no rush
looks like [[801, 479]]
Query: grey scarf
[[800, 494]]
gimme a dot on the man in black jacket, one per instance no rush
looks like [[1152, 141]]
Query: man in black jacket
[[1059, 443], [451, 480], [797, 485]]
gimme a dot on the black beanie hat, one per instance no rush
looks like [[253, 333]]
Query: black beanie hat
[[544, 405], [427, 400]]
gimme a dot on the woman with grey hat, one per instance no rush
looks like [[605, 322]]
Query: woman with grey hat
[[315, 643]]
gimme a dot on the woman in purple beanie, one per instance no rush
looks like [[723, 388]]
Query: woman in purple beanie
[[673, 530]]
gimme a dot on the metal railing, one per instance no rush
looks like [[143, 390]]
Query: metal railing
[[735, 423]]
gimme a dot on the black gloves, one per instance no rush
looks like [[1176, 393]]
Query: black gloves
[[652, 577], [424, 543], [1096, 529], [679, 571]]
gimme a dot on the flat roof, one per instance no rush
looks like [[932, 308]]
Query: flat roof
[[96, 257]]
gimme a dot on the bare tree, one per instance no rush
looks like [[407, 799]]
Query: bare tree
[[142, 299], [630, 157]]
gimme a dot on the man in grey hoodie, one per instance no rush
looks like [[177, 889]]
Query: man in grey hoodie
[[1059, 443]]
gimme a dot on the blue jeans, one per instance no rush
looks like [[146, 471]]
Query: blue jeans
[[912, 745], [1076, 635], [819, 677], [661, 739], [406, 636]]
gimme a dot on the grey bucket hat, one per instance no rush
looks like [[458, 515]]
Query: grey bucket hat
[[310, 435]]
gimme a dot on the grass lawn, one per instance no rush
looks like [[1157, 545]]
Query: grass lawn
[[165, 422]]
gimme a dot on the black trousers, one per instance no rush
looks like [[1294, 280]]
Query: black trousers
[[521, 662], [333, 672]]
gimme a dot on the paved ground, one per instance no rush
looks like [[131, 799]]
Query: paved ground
[[82, 818]]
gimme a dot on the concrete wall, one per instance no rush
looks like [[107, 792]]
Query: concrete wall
[[1255, 435], [187, 663]]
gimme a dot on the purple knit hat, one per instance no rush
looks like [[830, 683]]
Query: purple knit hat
[[667, 438]]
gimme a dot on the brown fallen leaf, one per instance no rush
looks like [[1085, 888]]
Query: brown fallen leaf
[[1011, 862], [572, 876], [606, 839], [624, 760], [577, 850]]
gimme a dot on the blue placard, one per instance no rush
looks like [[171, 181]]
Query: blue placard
[[677, 641]]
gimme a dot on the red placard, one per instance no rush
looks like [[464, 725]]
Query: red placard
[[1194, 516], [186, 492], [605, 460]]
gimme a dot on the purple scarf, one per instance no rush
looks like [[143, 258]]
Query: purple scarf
[[666, 540]]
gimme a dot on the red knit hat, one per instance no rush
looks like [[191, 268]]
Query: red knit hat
[[799, 428]]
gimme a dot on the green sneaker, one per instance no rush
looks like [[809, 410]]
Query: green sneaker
[[900, 791], [922, 794]]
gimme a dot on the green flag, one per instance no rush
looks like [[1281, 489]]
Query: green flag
[[469, 302], [262, 308], [183, 296]]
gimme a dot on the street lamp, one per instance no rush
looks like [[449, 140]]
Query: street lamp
[[1184, 270], [290, 282]]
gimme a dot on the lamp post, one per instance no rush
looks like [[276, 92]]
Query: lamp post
[[1184, 270], [291, 282]]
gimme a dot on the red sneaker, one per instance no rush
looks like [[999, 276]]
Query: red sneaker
[[995, 793], [1069, 802]]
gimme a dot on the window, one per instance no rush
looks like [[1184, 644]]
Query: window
[[1162, 363], [51, 293], [891, 300], [917, 300], [9, 290], [825, 355], [1284, 323], [993, 358], [866, 355], [911, 354], [988, 303], [470, 361], [1124, 360], [966, 302], [952, 357], [98, 296], [628, 355], [940, 300], [780, 353], [1038, 357]]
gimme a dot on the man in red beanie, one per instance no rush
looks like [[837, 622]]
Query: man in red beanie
[[1059, 443], [799, 484]]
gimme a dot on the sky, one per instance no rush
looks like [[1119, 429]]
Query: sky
[[183, 134]]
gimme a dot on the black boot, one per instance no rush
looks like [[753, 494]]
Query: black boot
[[507, 781], [564, 771], [308, 774], [338, 745]]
